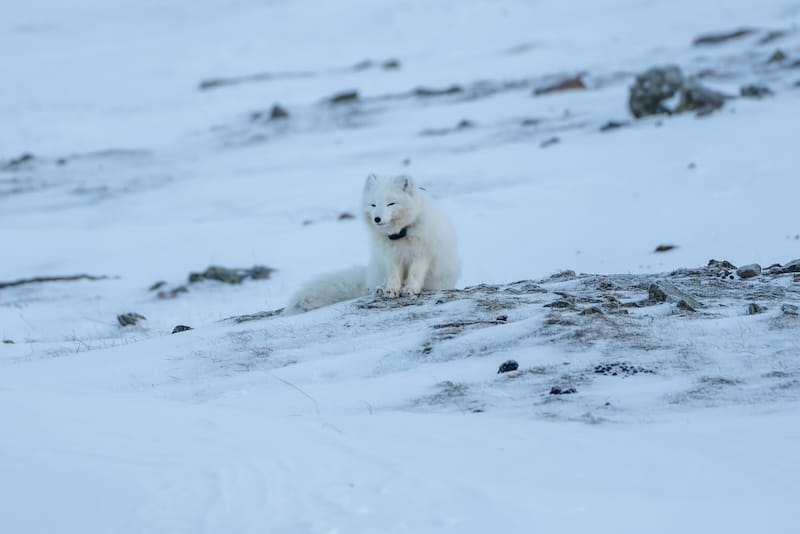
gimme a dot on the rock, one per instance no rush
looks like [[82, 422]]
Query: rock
[[428, 91], [755, 91], [278, 113], [221, 274], [665, 248], [19, 160], [749, 271], [346, 216], [664, 90], [790, 309], [561, 304], [157, 285], [613, 125], [556, 390], [592, 310], [260, 272], [773, 35], [465, 123], [391, 64], [685, 306], [700, 99], [575, 82], [531, 122], [652, 88], [723, 264], [621, 369], [791, 267], [130, 319], [717, 38], [172, 293], [777, 56], [663, 291], [8, 342], [754, 309], [501, 318], [345, 97], [508, 366], [549, 142], [181, 328]]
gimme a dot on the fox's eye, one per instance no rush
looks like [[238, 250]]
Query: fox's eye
[[373, 205], [390, 204]]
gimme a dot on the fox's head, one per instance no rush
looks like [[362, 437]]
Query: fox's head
[[390, 203]]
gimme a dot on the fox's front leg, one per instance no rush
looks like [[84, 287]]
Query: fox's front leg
[[416, 276], [394, 279]]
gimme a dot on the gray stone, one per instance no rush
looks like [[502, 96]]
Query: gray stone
[[345, 97], [508, 366], [129, 319], [790, 309], [791, 267], [749, 271], [717, 38], [755, 91], [181, 328], [664, 291], [664, 90], [754, 309]]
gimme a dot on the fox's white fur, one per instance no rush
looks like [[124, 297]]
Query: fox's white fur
[[412, 248]]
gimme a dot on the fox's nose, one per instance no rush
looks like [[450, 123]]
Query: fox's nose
[[377, 220]]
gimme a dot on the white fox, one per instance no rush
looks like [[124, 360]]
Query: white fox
[[413, 248]]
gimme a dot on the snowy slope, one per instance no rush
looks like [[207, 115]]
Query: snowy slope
[[154, 156]]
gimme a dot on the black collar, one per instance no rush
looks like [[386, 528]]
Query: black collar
[[399, 235]]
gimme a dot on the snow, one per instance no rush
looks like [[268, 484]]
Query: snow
[[341, 420]]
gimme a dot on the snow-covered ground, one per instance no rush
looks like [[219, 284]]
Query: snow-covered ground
[[154, 156]]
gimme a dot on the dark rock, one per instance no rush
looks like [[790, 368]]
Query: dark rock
[[662, 291], [260, 272], [755, 91], [278, 113], [221, 274], [774, 35], [749, 271], [130, 319], [391, 64], [665, 248], [575, 82], [717, 38], [8, 342], [691, 165], [363, 65], [754, 309], [429, 91], [653, 89], [531, 122], [724, 264], [791, 267], [507, 367], [346, 216], [592, 310], [700, 99], [19, 160], [561, 304], [621, 369], [685, 306], [172, 293], [557, 390], [345, 97], [501, 318], [613, 125], [181, 328], [790, 309], [157, 285], [777, 56], [465, 123], [61, 161], [549, 142]]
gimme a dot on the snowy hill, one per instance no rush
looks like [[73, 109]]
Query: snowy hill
[[145, 141]]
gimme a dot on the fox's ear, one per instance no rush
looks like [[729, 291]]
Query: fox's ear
[[405, 183], [371, 179]]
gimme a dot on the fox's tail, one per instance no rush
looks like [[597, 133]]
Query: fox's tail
[[329, 288]]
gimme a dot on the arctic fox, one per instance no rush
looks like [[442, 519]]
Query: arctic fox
[[413, 248]]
